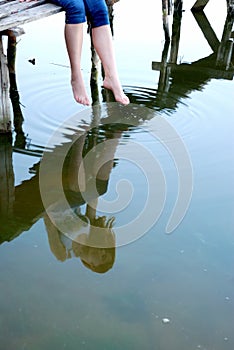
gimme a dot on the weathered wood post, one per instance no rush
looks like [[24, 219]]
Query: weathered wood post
[[5, 112], [166, 11], [163, 82], [176, 26], [225, 49], [20, 139], [163, 67]]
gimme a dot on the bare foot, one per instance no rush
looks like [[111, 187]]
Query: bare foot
[[79, 92], [113, 84]]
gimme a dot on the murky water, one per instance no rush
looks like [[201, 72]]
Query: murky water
[[99, 270]]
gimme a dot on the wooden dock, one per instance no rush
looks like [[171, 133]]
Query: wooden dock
[[13, 14]]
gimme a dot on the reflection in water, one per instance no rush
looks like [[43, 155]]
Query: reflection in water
[[176, 82], [94, 239], [96, 259], [6, 176], [20, 206], [186, 277]]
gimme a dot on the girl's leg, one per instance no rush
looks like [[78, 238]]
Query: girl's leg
[[102, 39], [75, 17], [103, 43], [74, 41]]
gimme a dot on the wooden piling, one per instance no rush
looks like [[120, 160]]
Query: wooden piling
[[166, 8], [5, 111], [224, 54], [164, 76], [176, 27], [20, 139]]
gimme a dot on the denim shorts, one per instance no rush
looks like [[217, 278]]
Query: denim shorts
[[77, 11]]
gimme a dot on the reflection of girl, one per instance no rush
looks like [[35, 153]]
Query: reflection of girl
[[73, 234], [97, 259], [84, 243]]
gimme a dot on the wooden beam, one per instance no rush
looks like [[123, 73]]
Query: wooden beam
[[199, 5], [207, 30]]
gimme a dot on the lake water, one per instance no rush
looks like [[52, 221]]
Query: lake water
[[143, 259]]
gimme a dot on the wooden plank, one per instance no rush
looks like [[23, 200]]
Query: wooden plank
[[5, 14], [5, 116], [16, 6], [199, 5], [5, 1], [29, 15]]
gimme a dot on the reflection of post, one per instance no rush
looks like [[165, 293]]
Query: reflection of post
[[6, 176], [165, 69], [224, 54], [5, 117]]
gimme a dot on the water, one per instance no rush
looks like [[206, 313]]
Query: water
[[165, 144]]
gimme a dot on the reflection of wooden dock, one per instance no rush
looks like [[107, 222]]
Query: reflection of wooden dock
[[219, 65], [209, 72]]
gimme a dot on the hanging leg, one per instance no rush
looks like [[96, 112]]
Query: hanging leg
[[103, 43], [74, 41]]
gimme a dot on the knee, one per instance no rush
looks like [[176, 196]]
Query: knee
[[74, 9], [98, 13]]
